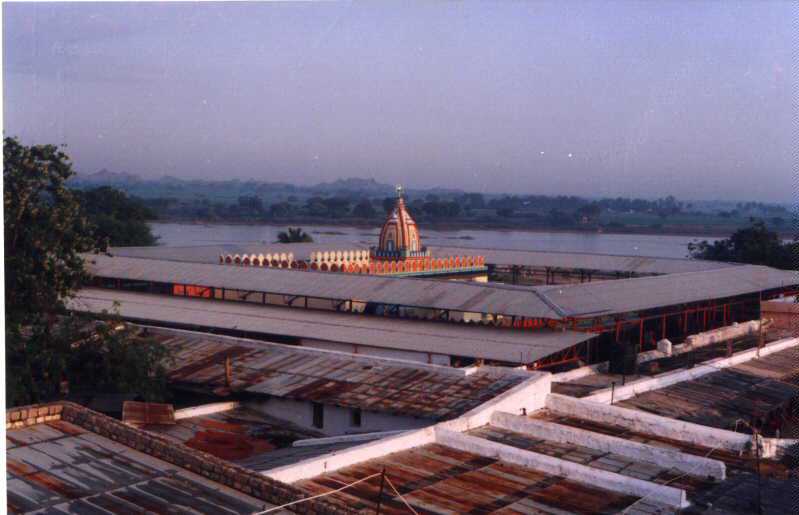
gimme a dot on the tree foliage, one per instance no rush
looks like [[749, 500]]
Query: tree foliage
[[118, 219], [754, 245], [294, 235], [46, 232]]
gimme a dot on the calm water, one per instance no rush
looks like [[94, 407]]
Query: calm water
[[631, 244]]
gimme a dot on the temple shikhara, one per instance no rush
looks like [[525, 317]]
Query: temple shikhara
[[399, 251]]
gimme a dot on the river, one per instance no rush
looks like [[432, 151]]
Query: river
[[602, 243]]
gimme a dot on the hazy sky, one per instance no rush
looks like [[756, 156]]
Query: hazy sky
[[593, 98]]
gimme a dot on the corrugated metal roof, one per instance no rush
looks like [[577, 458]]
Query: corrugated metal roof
[[628, 295], [346, 380], [439, 479], [240, 435], [423, 293], [62, 468], [501, 344], [748, 392], [586, 261]]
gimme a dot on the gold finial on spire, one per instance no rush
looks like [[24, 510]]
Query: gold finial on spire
[[399, 190]]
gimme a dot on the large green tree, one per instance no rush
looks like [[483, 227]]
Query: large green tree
[[118, 220], [755, 245], [46, 235]]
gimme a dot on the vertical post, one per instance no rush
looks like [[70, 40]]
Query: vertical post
[[612, 391], [228, 371], [759, 479], [760, 337], [380, 493], [640, 336]]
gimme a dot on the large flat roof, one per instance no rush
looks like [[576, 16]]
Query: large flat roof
[[336, 378], [481, 342], [551, 302], [531, 258], [641, 293], [586, 260], [421, 293]]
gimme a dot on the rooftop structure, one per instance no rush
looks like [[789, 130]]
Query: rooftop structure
[[63, 458], [624, 266], [426, 341], [399, 236], [224, 366], [533, 451], [360, 289], [761, 393], [399, 252]]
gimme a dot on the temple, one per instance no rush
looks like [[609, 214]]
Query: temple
[[399, 252]]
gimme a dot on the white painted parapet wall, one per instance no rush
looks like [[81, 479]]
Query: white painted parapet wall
[[639, 452], [205, 409], [640, 386], [647, 423], [573, 471], [530, 394]]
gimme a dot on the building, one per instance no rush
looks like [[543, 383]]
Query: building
[[543, 452], [634, 312], [328, 392], [64, 458], [399, 252]]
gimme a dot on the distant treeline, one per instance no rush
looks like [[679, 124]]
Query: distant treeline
[[366, 201]]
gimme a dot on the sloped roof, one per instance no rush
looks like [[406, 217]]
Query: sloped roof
[[346, 380], [492, 343], [422, 293], [627, 295]]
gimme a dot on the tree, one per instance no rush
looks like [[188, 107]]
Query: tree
[[294, 235], [364, 209], [118, 220], [46, 233], [251, 205], [754, 245], [590, 211]]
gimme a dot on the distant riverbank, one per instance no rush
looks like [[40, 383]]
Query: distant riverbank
[[697, 232], [202, 233]]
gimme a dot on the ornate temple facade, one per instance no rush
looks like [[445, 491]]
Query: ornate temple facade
[[399, 251]]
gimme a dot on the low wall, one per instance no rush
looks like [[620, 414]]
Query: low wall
[[362, 437], [205, 409], [784, 314], [573, 471], [664, 457], [730, 332], [631, 389], [642, 422], [526, 397], [160, 447], [346, 457]]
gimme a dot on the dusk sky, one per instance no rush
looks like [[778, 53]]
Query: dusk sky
[[593, 98]]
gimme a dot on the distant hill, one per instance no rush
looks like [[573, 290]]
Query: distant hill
[[107, 178], [354, 185]]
